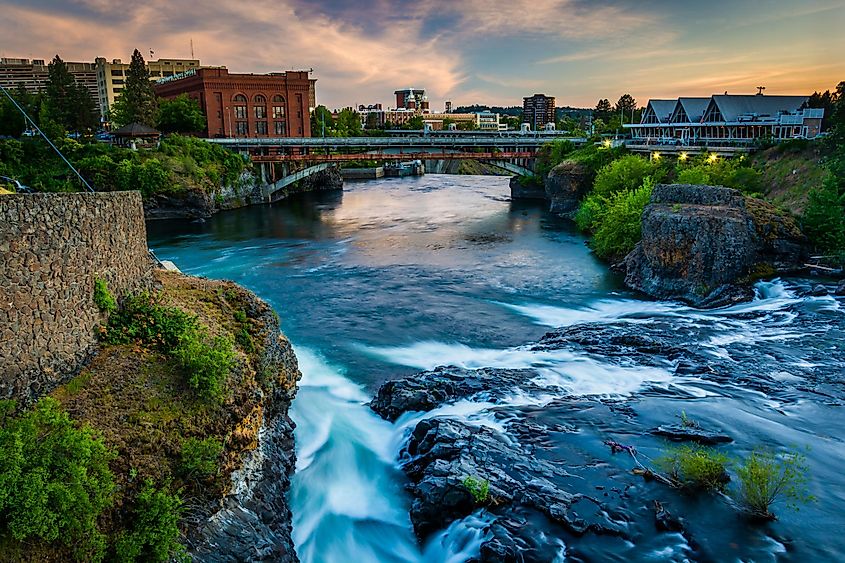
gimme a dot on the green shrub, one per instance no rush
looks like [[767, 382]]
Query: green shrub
[[244, 340], [240, 316], [591, 212], [206, 365], [154, 534], [478, 488], [102, 296], [619, 227], [696, 175], [764, 478], [143, 319], [696, 467], [824, 217], [199, 457], [626, 174], [55, 479]]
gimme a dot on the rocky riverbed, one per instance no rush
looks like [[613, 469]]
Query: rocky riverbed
[[559, 440]]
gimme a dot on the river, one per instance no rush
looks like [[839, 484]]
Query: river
[[394, 276]]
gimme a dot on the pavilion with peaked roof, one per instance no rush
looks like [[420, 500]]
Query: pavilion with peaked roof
[[135, 133], [728, 119]]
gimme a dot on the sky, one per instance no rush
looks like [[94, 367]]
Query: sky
[[468, 51]]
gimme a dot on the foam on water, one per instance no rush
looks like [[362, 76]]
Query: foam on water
[[346, 497]]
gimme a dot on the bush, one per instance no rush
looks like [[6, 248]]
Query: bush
[[764, 478], [696, 175], [154, 535], [55, 479], [619, 226], [143, 319], [102, 296], [824, 218], [478, 488], [626, 174], [199, 457], [591, 212], [206, 364], [695, 467]]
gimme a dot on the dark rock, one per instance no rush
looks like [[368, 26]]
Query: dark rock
[[418, 394], [566, 185], [526, 188], [664, 521], [254, 522], [680, 433], [705, 245], [819, 290]]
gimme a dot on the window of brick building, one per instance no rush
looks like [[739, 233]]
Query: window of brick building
[[278, 107], [279, 128], [240, 112], [260, 112], [260, 127], [242, 128]]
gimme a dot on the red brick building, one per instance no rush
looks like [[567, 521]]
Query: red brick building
[[247, 105]]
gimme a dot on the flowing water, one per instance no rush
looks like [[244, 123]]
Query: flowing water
[[395, 276]]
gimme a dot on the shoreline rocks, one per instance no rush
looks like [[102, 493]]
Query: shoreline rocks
[[705, 245]]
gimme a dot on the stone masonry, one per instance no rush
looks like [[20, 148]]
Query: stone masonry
[[52, 247]]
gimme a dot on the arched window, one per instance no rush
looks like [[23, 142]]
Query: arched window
[[260, 107], [278, 107], [239, 102]]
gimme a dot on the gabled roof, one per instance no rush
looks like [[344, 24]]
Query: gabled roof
[[689, 110], [733, 106], [662, 109]]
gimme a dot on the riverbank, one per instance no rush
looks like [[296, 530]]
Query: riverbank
[[220, 469]]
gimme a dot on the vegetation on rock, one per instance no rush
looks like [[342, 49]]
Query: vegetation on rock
[[696, 467], [765, 478], [55, 480], [478, 488]]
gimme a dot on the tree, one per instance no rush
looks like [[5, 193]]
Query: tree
[[347, 124], [137, 102], [837, 116], [322, 122], [603, 110], [823, 101], [415, 123], [12, 122], [60, 93], [625, 106], [180, 115]]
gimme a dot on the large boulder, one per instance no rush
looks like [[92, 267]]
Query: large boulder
[[705, 245], [566, 186], [526, 188]]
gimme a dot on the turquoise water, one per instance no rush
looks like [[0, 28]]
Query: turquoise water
[[397, 275]]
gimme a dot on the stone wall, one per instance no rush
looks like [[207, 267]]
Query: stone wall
[[52, 247]]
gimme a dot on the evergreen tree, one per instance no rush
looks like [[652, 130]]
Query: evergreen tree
[[137, 103], [625, 106], [603, 109], [60, 94], [84, 117]]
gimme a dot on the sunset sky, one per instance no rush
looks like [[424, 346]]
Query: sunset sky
[[469, 51]]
